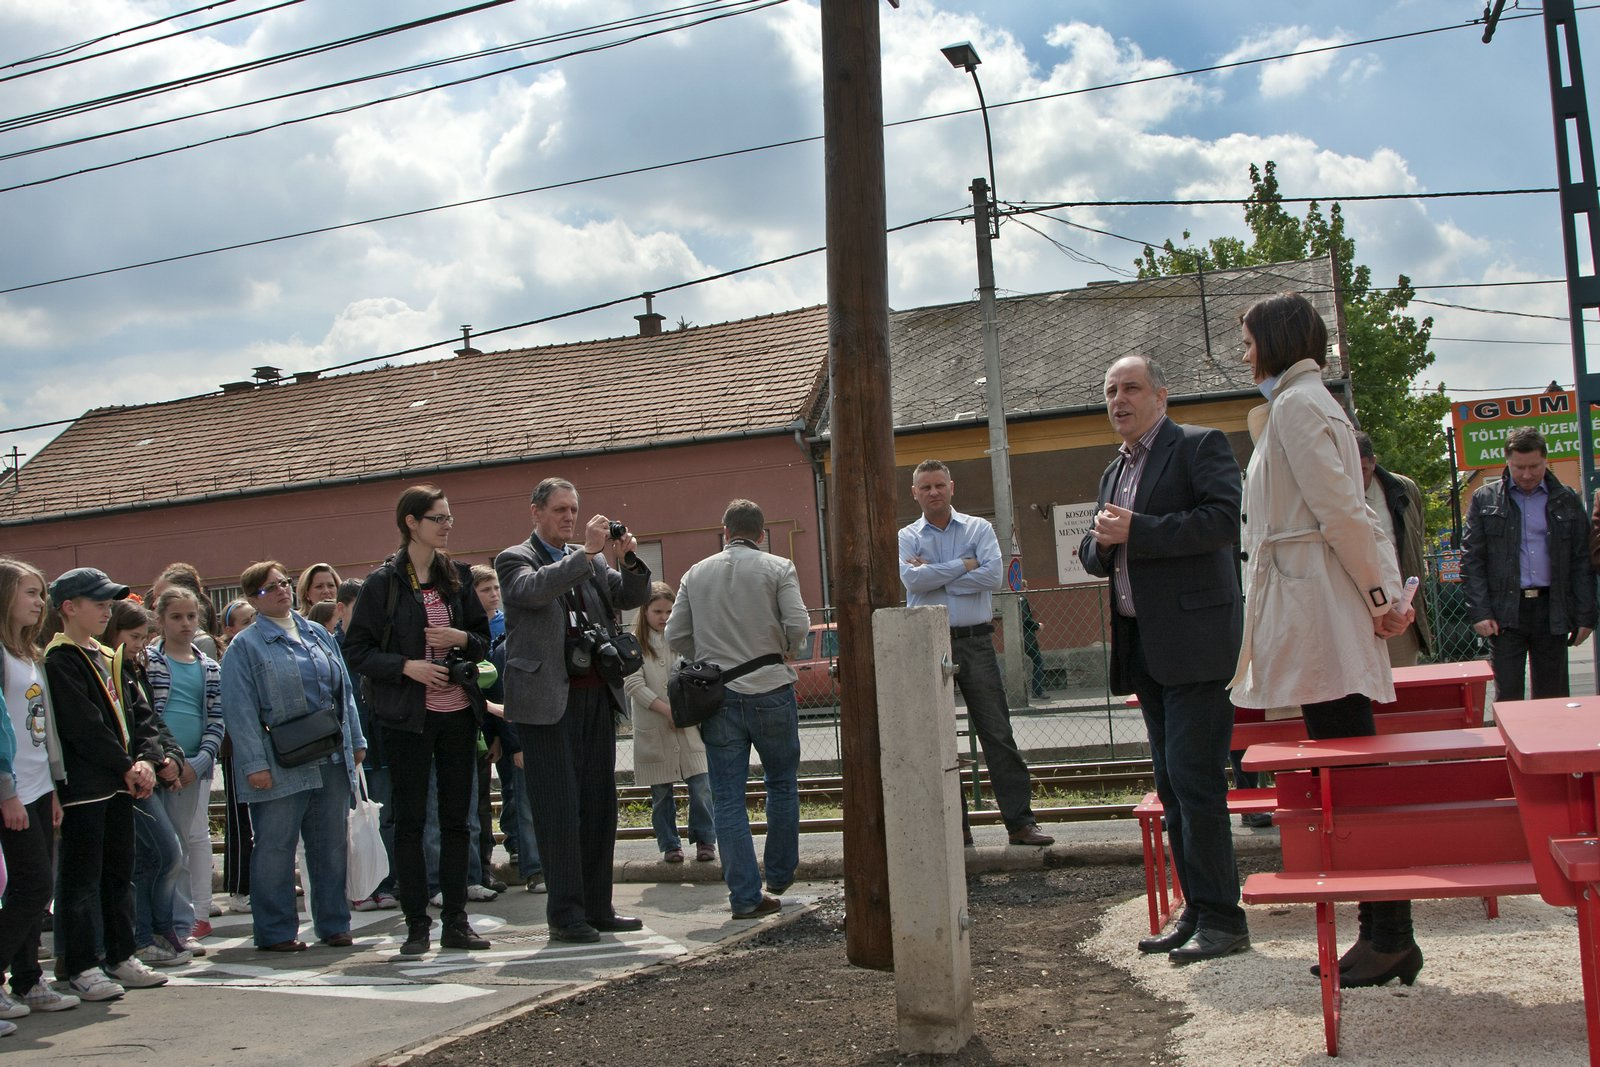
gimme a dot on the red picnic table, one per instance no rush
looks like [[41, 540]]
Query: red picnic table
[[1554, 750]]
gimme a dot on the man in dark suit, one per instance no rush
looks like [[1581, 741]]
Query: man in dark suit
[[553, 592], [1166, 532]]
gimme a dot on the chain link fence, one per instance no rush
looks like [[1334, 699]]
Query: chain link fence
[[1061, 707]]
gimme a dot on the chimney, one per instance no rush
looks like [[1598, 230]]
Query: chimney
[[303, 376], [268, 375], [650, 322], [237, 387], [466, 348]]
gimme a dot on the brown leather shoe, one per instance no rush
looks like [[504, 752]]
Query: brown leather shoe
[[767, 906], [1030, 835]]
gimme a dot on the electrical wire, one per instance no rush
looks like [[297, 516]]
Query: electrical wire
[[83, 107], [484, 53], [148, 40], [66, 50]]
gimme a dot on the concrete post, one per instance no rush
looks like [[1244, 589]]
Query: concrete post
[[922, 823]]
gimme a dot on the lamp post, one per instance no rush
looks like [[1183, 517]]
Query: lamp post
[[986, 219]]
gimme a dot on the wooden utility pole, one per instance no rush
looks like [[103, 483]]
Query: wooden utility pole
[[865, 554]]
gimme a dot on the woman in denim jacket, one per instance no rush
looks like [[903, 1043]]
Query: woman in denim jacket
[[281, 669]]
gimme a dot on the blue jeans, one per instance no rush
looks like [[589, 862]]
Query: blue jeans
[[771, 722], [528, 863], [157, 871], [318, 817], [664, 813], [380, 790]]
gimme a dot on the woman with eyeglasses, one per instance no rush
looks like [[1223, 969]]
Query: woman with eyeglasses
[[281, 669], [417, 628]]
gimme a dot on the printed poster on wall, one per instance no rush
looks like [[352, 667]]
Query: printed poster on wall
[[1071, 522]]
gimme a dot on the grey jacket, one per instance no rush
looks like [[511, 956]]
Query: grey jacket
[[735, 606], [531, 590], [1490, 569]]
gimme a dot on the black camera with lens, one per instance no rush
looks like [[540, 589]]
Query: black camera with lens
[[462, 671], [618, 530]]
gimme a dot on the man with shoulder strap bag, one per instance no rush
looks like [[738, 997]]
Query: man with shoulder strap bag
[[740, 611], [559, 591]]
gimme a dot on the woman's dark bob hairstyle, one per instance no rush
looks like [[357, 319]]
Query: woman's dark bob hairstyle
[[1286, 329]]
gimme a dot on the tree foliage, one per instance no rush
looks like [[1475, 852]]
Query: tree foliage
[[1388, 349]]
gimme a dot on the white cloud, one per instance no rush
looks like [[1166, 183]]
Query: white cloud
[[1287, 77]]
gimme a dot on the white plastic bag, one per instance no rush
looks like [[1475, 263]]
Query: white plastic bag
[[367, 862]]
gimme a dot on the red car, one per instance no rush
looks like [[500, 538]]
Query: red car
[[814, 663]]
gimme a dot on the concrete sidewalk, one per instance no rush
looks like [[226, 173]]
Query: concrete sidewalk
[[356, 1006]]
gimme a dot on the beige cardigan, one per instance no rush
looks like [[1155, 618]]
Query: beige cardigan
[[661, 754], [1318, 566]]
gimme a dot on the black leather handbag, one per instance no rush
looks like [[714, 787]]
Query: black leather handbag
[[306, 739]]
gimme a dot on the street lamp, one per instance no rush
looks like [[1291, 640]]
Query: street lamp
[[986, 219], [963, 56]]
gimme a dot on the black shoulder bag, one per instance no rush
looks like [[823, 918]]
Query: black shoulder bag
[[696, 690]]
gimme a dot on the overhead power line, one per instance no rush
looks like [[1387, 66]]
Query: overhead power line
[[66, 50], [189, 81], [139, 44], [718, 12], [630, 22]]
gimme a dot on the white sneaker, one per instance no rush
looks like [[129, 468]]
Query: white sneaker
[[161, 953], [364, 904], [12, 1009], [213, 909], [131, 973], [387, 901], [43, 997], [238, 904], [94, 984], [7, 1029], [193, 947], [479, 892], [437, 900]]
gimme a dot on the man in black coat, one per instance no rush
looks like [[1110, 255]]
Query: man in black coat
[[1166, 532]]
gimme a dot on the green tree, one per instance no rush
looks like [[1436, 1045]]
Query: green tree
[[1388, 349]]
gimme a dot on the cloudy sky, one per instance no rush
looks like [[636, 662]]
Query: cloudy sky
[[1440, 112]]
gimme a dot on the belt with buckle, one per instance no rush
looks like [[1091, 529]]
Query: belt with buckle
[[1535, 592], [972, 631]]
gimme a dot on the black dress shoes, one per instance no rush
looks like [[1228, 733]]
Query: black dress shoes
[[578, 933], [461, 935], [1210, 945], [617, 924], [1178, 936]]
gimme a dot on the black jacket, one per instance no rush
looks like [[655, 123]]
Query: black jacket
[[92, 748], [1183, 559], [1490, 549], [397, 701]]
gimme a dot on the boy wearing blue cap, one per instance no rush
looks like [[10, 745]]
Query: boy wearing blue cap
[[110, 752]]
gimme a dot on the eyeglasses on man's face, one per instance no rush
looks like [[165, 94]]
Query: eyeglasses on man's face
[[273, 587], [445, 521]]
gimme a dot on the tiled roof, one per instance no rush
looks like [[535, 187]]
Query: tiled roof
[[1055, 347], [751, 376]]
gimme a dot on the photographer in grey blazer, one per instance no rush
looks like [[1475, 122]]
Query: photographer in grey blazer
[[560, 601]]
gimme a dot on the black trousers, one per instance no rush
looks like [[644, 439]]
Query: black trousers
[[30, 866], [1529, 643], [570, 771], [1386, 923], [95, 890], [448, 744], [237, 837]]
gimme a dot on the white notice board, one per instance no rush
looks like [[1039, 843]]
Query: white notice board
[[1071, 522]]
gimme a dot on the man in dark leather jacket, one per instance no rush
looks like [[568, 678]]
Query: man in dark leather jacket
[[1525, 564]]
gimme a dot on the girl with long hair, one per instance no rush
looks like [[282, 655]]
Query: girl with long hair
[[415, 624], [662, 753], [186, 692], [29, 809]]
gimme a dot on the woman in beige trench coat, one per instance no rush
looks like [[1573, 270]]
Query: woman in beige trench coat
[[1321, 587]]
